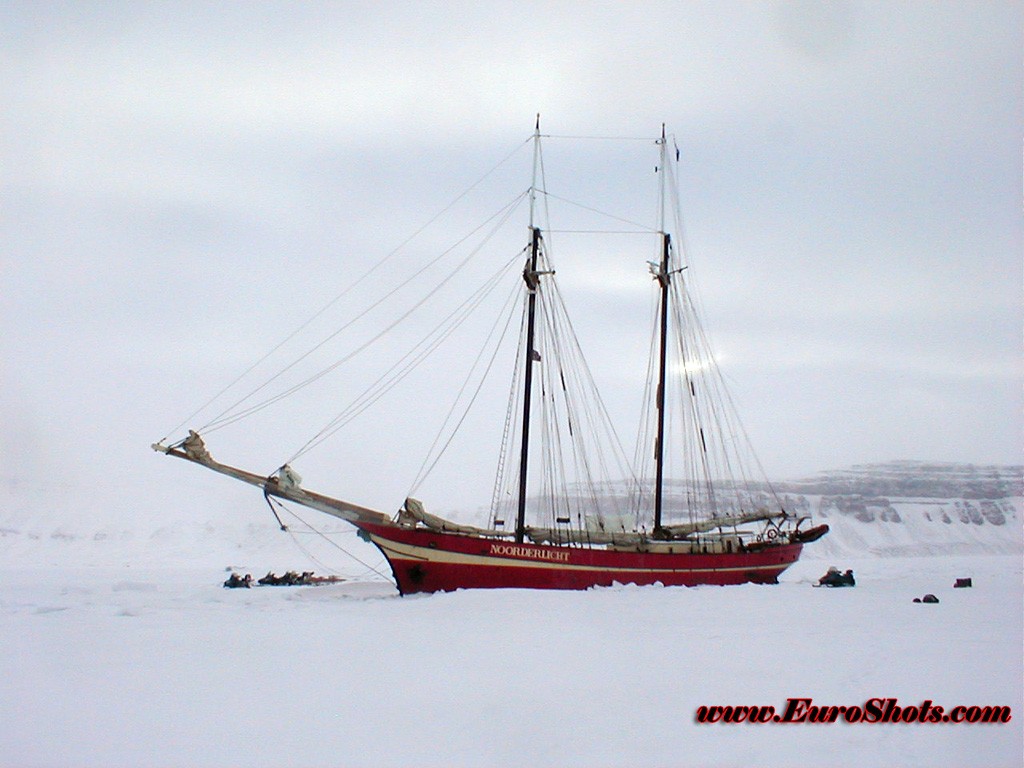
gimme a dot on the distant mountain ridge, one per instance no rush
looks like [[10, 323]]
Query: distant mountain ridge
[[896, 508], [899, 508], [915, 479], [912, 508]]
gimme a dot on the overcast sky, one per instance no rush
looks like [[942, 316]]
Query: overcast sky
[[182, 184]]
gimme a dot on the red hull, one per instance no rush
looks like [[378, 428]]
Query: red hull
[[429, 561]]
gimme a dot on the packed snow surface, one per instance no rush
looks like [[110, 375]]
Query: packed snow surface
[[129, 666]]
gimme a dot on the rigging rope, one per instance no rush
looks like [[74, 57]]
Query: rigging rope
[[599, 138], [510, 305], [644, 229], [225, 420], [369, 396], [509, 431], [346, 291], [271, 501]]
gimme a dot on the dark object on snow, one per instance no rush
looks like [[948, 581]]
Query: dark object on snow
[[235, 581], [289, 579], [833, 578], [961, 583], [926, 599]]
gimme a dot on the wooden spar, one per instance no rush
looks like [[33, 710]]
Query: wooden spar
[[530, 276], [659, 455], [272, 487]]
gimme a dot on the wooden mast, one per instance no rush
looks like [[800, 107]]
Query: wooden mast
[[663, 276], [530, 277]]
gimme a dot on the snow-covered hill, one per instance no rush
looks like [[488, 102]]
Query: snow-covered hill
[[907, 508], [904, 527]]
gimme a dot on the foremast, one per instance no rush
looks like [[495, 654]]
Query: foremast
[[530, 276], [663, 276]]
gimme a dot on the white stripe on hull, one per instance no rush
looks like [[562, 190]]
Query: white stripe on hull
[[396, 551]]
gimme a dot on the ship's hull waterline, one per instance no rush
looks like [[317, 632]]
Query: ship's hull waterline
[[433, 561]]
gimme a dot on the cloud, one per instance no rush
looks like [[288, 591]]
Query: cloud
[[185, 184]]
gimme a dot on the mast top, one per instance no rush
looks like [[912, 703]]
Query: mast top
[[536, 164]]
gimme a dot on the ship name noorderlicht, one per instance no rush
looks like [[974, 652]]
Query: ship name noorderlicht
[[534, 553]]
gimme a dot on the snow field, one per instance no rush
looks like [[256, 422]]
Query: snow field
[[165, 667]]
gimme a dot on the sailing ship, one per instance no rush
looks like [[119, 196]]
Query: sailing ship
[[709, 529]]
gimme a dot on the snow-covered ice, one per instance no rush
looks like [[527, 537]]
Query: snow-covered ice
[[107, 666]]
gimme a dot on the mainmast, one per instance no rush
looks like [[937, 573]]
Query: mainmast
[[530, 276], [663, 276]]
